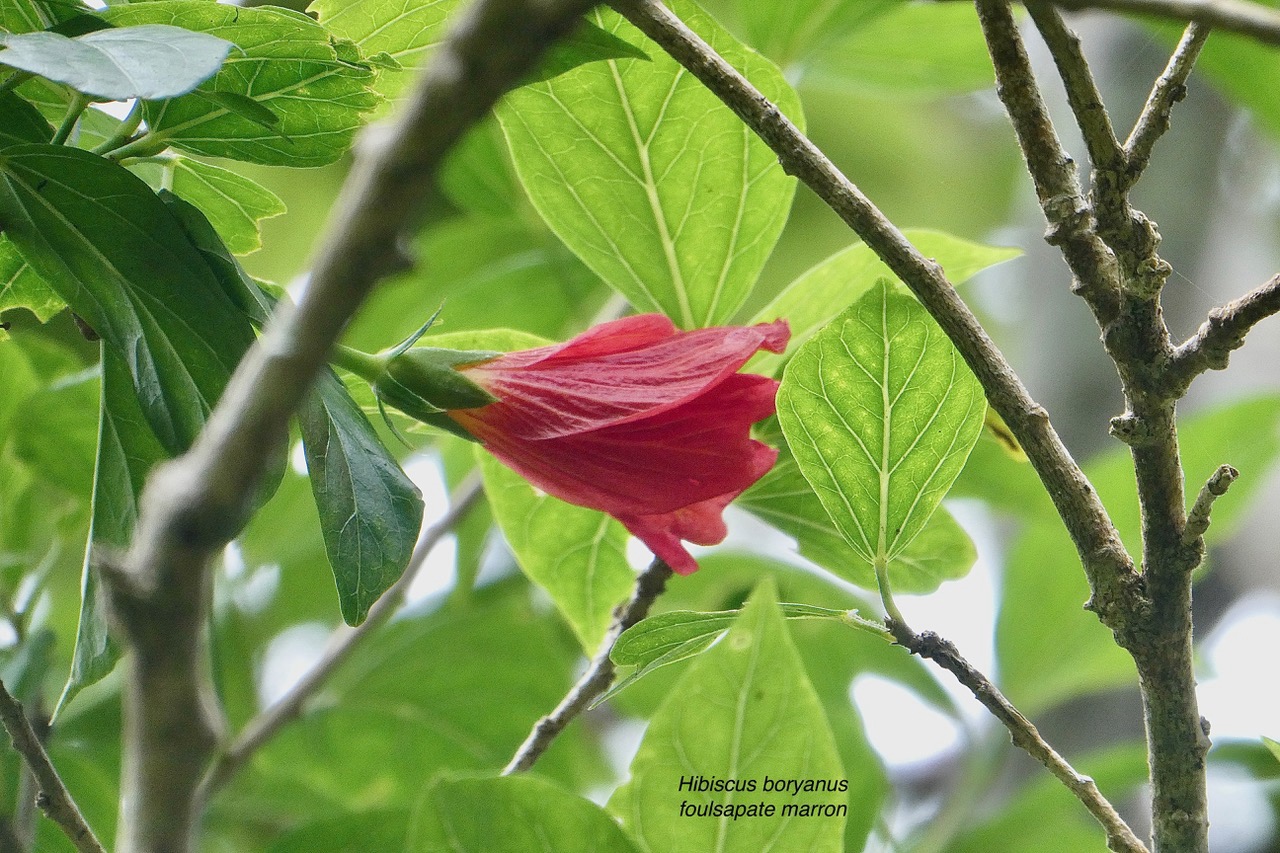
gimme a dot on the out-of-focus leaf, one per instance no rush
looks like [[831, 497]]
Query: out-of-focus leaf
[[577, 555], [587, 43], [787, 32], [285, 61], [149, 61], [22, 287], [653, 182], [514, 814], [103, 241]]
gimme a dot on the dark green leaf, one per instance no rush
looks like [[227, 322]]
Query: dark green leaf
[[515, 814], [113, 251], [127, 450], [587, 43], [285, 61], [21, 122], [370, 512], [149, 61]]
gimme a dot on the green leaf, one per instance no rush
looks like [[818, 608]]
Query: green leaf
[[404, 31], [150, 61], [881, 414], [828, 288], [233, 203], [653, 182], [1044, 586], [286, 62], [1272, 746], [53, 101], [587, 43], [578, 555], [744, 711], [515, 814], [1242, 69], [127, 450], [370, 512], [27, 16], [347, 832], [21, 122], [785, 32], [113, 251], [915, 48], [478, 176], [22, 287]]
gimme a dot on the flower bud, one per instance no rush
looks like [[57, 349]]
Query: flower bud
[[423, 382]]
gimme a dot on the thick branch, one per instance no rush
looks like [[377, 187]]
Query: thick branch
[[54, 797], [598, 675], [342, 644], [1236, 16], [193, 505], [1225, 330], [1170, 87], [1023, 733], [1107, 564]]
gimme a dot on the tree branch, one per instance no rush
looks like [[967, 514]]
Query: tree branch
[[192, 506], [1023, 733], [1215, 487], [342, 643], [54, 798], [1211, 346], [1236, 16], [1170, 87], [1108, 566], [599, 673]]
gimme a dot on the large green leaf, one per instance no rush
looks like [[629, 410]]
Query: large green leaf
[[113, 251], [22, 287], [653, 182], [1044, 587], [149, 61], [514, 814], [405, 31], [881, 414], [745, 712], [787, 32], [829, 287], [285, 61], [127, 450], [370, 512], [577, 555], [27, 16]]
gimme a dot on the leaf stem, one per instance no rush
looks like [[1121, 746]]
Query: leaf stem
[[367, 366], [896, 622], [148, 144], [123, 131], [77, 106]]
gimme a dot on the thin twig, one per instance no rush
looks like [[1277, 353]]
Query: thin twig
[[1236, 16], [1215, 487], [1170, 87], [1108, 566], [54, 798], [1211, 346], [342, 643], [1023, 732], [1082, 93], [599, 673]]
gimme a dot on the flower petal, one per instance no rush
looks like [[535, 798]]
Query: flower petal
[[700, 523], [566, 392]]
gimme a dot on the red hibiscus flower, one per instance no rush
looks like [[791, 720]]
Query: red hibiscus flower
[[635, 418]]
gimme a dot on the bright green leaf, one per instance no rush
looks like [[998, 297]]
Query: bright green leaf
[[127, 450], [743, 711], [915, 48], [370, 512], [103, 241], [825, 290], [233, 203], [578, 555], [149, 61], [653, 182], [22, 287], [27, 16], [285, 61], [788, 31], [514, 814], [587, 43], [21, 122], [405, 31], [881, 414]]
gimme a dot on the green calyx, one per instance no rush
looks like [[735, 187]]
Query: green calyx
[[424, 381]]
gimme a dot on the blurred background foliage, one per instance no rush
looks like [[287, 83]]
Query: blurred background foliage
[[899, 96]]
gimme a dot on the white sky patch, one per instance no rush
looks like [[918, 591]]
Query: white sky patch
[[1240, 694], [289, 656], [902, 727], [438, 572]]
